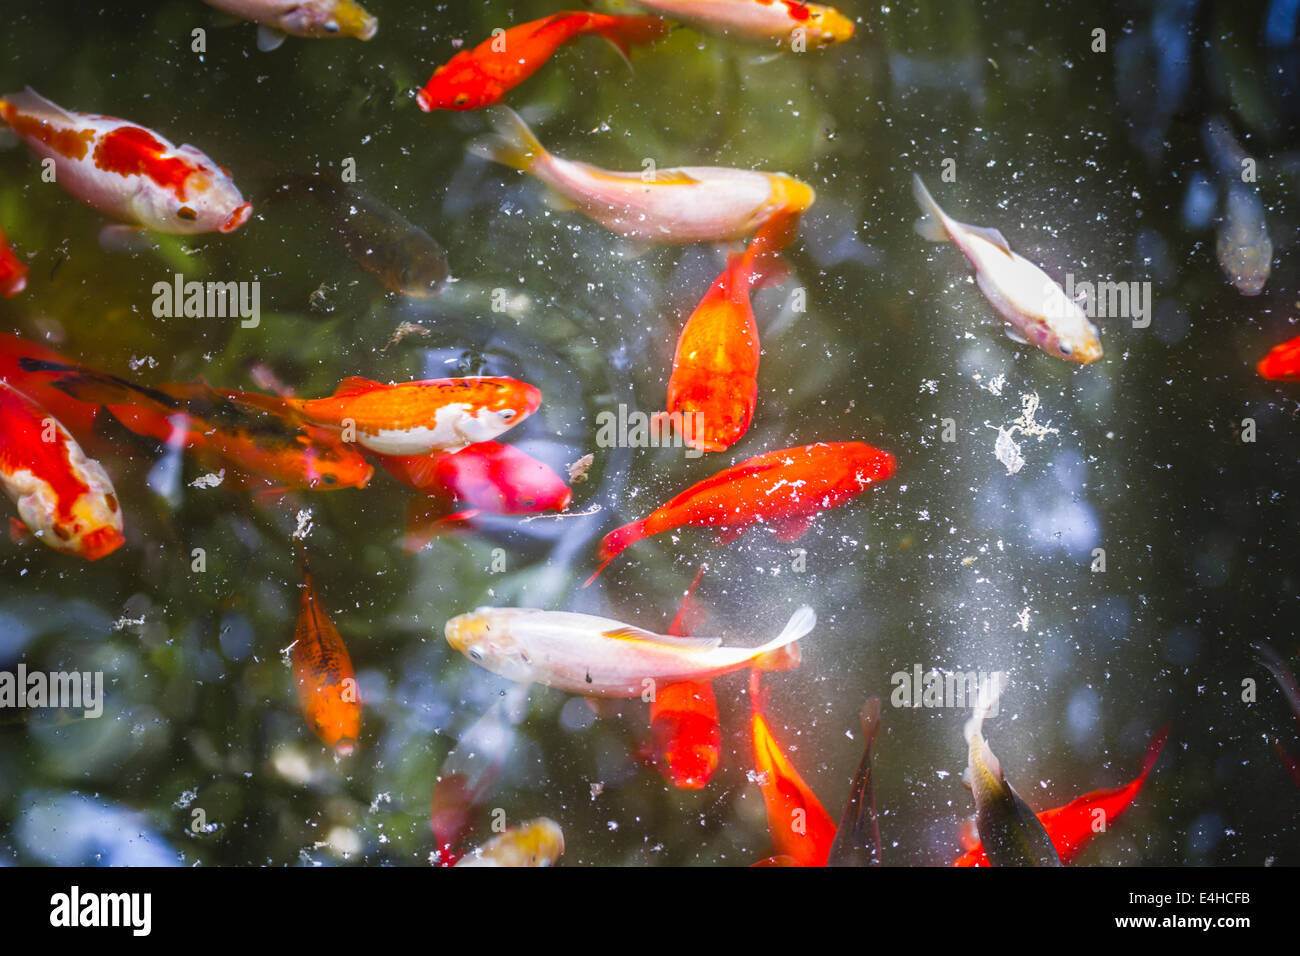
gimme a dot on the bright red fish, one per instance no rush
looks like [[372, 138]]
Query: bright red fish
[[786, 489], [1282, 363], [63, 497], [78, 416], [800, 826], [684, 726], [1073, 826], [13, 272], [482, 76], [322, 669]]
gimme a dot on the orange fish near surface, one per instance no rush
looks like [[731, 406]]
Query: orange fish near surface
[[63, 497], [684, 726], [800, 826], [417, 418], [482, 76], [322, 669], [1282, 363], [786, 489], [13, 273], [1072, 827]]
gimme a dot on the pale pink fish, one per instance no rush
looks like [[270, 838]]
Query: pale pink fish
[[680, 205], [784, 21], [601, 657], [127, 171], [301, 18]]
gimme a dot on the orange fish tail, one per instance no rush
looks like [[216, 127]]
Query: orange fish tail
[[625, 32], [616, 542]]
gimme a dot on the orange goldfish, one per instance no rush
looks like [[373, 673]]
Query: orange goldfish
[[791, 23], [127, 171], [666, 206], [63, 497], [13, 272], [322, 669], [800, 826], [482, 76], [684, 720], [416, 418], [1072, 827], [786, 489], [78, 416], [1282, 363], [224, 423]]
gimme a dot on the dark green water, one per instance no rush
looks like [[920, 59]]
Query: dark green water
[[1082, 159]]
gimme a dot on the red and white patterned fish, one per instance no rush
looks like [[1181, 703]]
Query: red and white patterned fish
[[127, 171]]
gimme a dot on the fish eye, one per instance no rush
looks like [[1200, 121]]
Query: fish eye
[[329, 479], [62, 533], [507, 414], [331, 26], [475, 654], [1066, 350], [186, 213], [112, 503], [460, 99]]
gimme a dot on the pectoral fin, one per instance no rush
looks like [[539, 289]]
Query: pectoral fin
[[1014, 335], [268, 39], [792, 529]]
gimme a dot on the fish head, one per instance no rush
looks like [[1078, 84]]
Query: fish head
[[500, 404], [329, 464], [329, 18], [206, 200], [869, 465], [503, 479], [1282, 363], [89, 526], [825, 26], [484, 636], [459, 84], [712, 413]]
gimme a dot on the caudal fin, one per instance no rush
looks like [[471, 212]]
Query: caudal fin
[[97, 388], [512, 143], [782, 652], [930, 225], [625, 32], [615, 543]]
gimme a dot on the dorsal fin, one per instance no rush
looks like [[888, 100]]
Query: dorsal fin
[[989, 234], [661, 177], [356, 385], [630, 633]]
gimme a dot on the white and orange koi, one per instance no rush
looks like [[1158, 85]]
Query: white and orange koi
[[127, 171], [538, 842], [601, 657], [63, 497], [666, 206], [1035, 308], [791, 23]]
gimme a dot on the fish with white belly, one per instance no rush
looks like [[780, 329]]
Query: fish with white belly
[[1036, 309]]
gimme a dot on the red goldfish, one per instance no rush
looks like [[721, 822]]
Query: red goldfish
[[484, 477], [664, 206], [785, 22], [416, 418], [1072, 827], [126, 171], [322, 669], [684, 720], [786, 489], [800, 826], [63, 497], [224, 423], [13, 273], [482, 76], [1282, 363]]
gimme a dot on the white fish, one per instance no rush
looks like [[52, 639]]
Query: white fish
[[1036, 309], [301, 18], [761, 19], [538, 842], [601, 657]]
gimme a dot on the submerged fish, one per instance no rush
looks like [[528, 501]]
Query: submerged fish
[[1072, 827], [800, 827], [1282, 363], [1035, 308], [13, 272], [276, 445], [786, 489], [63, 497], [538, 842], [688, 204], [398, 253], [78, 416], [482, 76], [857, 840], [601, 657], [322, 669], [127, 171], [416, 418], [301, 18], [1242, 243], [786, 22], [1011, 834]]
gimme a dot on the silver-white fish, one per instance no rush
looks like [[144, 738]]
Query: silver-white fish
[[1036, 309], [601, 657], [538, 842]]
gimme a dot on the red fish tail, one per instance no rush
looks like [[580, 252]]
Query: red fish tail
[[616, 542], [625, 32]]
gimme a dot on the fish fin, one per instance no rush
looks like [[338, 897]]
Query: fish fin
[[792, 529], [973, 731], [124, 239], [1015, 335], [672, 177], [726, 536], [774, 654], [18, 532], [630, 633], [686, 614], [268, 39], [627, 31], [466, 515], [356, 385], [33, 104], [989, 234], [558, 202], [512, 143], [967, 835], [616, 542], [931, 223]]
